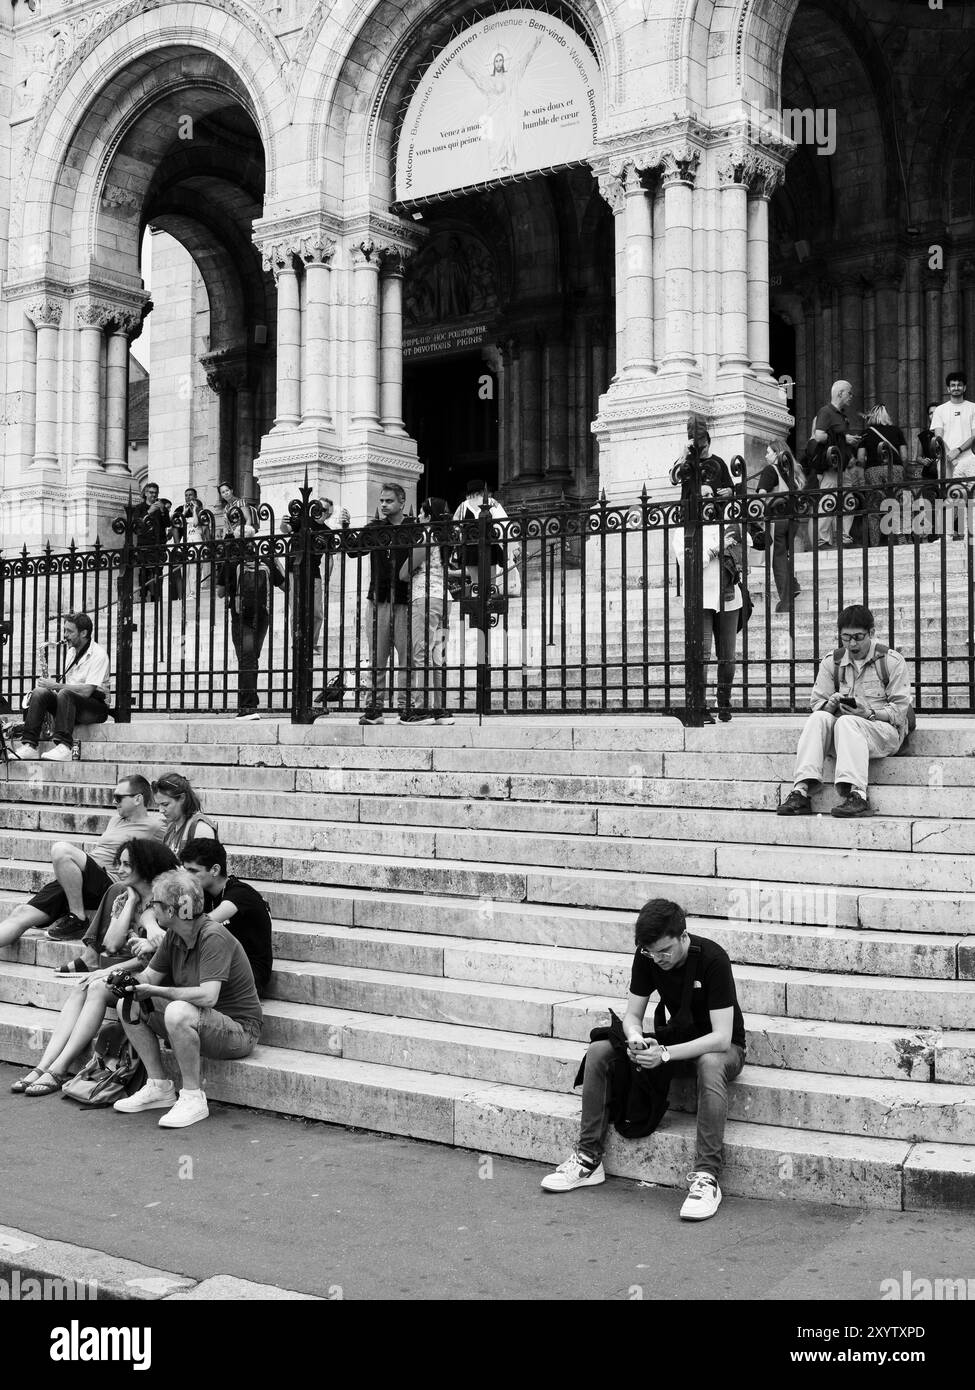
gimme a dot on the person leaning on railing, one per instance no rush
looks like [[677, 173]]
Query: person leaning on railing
[[883, 466], [779, 476], [80, 698], [831, 431], [426, 570], [247, 578]]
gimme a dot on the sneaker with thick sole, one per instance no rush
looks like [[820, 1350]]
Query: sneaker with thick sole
[[443, 716], [26, 751], [576, 1171], [246, 714], [68, 928], [371, 716], [417, 716], [191, 1107], [795, 804], [154, 1095], [703, 1197], [854, 805], [60, 753]]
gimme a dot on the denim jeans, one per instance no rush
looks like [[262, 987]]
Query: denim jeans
[[67, 709], [385, 626], [248, 639], [783, 545], [721, 630], [715, 1071]]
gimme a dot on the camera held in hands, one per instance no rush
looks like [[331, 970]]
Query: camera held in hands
[[122, 983]]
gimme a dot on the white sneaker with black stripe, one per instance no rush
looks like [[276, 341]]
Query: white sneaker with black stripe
[[703, 1197], [576, 1171]]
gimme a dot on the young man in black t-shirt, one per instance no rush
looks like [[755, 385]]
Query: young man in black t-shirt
[[236, 904], [714, 1048]]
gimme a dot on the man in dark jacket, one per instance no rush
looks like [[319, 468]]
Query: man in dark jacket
[[712, 1047], [387, 608], [151, 518]]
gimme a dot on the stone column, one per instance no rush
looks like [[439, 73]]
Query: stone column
[[511, 357], [365, 299], [393, 264], [966, 331], [557, 460], [613, 192], [278, 257], [870, 395], [888, 272], [639, 275], [732, 173], [91, 320], [117, 392], [679, 172], [763, 186], [912, 343], [226, 374], [28, 389], [933, 284], [47, 317], [529, 371], [582, 396], [316, 253], [851, 333]]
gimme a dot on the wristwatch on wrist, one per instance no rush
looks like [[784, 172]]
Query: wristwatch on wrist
[[872, 715], [664, 1054]]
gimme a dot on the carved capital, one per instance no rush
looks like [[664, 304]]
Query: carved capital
[[679, 165], [734, 167], [227, 369], [394, 259], [44, 313], [887, 271], [316, 248], [612, 191], [365, 253], [94, 315], [276, 256]]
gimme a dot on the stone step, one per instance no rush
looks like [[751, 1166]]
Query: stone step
[[542, 1126]]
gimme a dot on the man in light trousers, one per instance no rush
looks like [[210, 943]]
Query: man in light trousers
[[856, 712]]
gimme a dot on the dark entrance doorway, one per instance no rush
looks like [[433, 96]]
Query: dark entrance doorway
[[782, 355], [451, 409]]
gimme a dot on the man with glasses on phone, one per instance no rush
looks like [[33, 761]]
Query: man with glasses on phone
[[711, 1047], [861, 703], [81, 879]]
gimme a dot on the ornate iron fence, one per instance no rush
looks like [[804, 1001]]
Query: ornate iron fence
[[581, 608]]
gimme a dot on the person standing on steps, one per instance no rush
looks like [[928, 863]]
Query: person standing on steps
[[779, 477], [861, 709], [721, 591], [831, 428], [694, 980], [387, 603]]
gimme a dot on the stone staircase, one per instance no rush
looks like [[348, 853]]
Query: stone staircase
[[454, 910]]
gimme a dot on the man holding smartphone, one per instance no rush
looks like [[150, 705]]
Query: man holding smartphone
[[710, 1046], [860, 704]]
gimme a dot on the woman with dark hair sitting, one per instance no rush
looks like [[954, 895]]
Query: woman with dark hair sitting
[[124, 910], [426, 569], [82, 1015], [182, 811]]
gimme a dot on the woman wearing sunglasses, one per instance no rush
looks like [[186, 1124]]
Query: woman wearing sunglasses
[[182, 811], [129, 922]]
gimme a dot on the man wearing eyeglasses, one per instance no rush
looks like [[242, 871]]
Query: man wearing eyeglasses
[[82, 879], [677, 966], [199, 989], [861, 703]]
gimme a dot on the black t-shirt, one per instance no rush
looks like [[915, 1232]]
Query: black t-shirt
[[250, 924], [716, 990], [836, 426], [893, 435]]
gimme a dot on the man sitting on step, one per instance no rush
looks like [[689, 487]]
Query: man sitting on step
[[696, 986], [80, 879], [198, 993], [861, 706], [230, 900], [80, 698]]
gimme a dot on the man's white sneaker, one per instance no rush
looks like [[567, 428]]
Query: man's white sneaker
[[26, 751], [154, 1095], [60, 753], [576, 1171], [703, 1199], [191, 1106]]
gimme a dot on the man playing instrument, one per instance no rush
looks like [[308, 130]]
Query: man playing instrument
[[81, 697]]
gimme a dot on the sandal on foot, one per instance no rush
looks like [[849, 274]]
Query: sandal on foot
[[33, 1075], [74, 967], [46, 1088]]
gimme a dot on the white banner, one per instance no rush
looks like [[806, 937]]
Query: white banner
[[513, 93]]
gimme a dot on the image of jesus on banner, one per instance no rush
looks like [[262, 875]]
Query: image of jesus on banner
[[501, 121]]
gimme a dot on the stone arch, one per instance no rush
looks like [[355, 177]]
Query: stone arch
[[127, 40], [353, 100]]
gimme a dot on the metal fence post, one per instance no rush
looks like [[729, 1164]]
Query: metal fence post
[[124, 526], [301, 512]]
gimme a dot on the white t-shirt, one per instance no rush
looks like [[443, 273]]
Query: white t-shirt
[[713, 571], [94, 668], [957, 424]]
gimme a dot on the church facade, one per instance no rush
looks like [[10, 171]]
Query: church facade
[[434, 240]]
